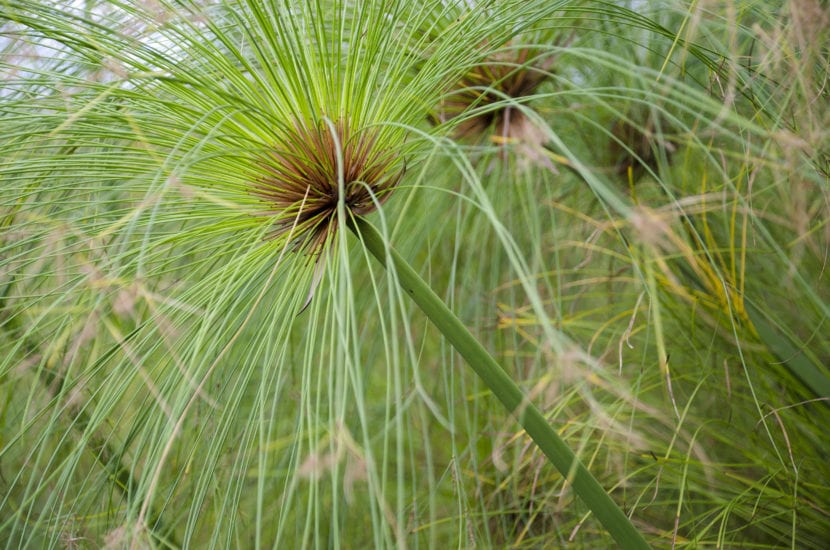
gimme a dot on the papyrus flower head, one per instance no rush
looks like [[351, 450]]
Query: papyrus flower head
[[508, 74], [315, 166]]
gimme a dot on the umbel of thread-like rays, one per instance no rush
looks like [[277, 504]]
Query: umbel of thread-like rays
[[506, 74], [301, 181]]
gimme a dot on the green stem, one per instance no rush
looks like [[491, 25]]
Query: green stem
[[505, 389]]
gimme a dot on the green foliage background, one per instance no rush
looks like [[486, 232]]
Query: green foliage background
[[641, 240]]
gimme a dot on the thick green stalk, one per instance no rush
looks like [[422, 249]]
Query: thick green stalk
[[503, 387]]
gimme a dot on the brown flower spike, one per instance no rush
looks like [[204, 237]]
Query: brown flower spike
[[301, 185]]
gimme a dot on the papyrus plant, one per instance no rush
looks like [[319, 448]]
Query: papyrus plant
[[184, 359]]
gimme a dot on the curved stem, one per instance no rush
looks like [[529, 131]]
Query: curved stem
[[505, 389]]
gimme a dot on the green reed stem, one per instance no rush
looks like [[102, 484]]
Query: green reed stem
[[511, 396]]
